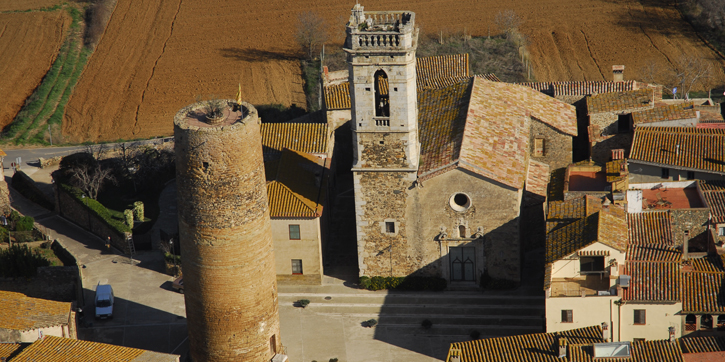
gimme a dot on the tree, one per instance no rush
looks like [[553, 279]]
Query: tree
[[311, 33], [508, 22], [90, 178], [686, 73]]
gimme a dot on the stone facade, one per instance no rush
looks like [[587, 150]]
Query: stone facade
[[557, 145], [225, 235]]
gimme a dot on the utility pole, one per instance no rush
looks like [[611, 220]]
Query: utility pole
[[50, 135]]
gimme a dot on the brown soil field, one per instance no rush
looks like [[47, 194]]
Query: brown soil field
[[29, 43], [157, 57], [14, 5]]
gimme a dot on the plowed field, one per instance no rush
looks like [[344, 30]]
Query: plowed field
[[158, 56], [29, 43], [15, 5]]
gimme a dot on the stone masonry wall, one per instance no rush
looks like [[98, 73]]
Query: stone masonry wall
[[226, 239], [380, 150], [557, 145], [691, 224], [380, 197]]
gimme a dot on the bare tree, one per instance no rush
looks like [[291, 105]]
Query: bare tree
[[508, 22], [311, 33], [98, 151], [686, 73], [90, 178]]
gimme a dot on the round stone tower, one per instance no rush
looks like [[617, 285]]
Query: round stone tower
[[225, 233]]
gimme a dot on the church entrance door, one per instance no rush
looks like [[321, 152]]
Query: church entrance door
[[463, 263]]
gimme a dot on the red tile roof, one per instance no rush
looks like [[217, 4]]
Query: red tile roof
[[704, 357], [652, 227], [671, 112], [619, 101], [303, 137], [54, 349], [430, 70], [21, 313], [645, 351], [337, 96], [607, 227], [653, 252], [581, 88], [8, 349], [686, 147], [298, 190], [703, 292], [702, 344], [714, 193], [652, 281], [537, 178]]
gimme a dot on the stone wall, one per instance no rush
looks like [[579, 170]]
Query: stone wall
[[557, 145], [225, 236], [72, 209], [380, 150], [691, 224], [59, 283]]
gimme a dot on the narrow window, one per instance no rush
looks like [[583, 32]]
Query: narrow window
[[665, 173], [690, 322], [294, 232], [539, 147], [296, 266], [640, 316], [390, 227], [382, 96], [461, 231], [721, 231], [567, 316], [623, 123], [690, 175]]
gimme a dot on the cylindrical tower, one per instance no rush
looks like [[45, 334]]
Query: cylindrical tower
[[225, 234]]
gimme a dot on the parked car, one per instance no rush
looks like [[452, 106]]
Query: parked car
[[104, 301], [178, 284]]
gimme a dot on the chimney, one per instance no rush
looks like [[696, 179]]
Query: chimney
[[618, 73], [685, 248], [618, 154], [605, 332], [672, 333], [562, 347]]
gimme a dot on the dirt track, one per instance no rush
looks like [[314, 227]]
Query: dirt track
[[29, 43], [158, 56]]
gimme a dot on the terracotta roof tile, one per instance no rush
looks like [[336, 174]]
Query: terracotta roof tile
[[703, 292], [20, 312], [298, 189], [687, 147], [710, 263], [303, 137], [653, 252], [645, 351], [670, 112], [581, 88], [573, 209], [714, 192], [652, 281], [430, 69], [619, 101], [712, 185], [702, 344], [54, 349], [537, 178], [8, 349], [614, 170], [337, 96], [524, 348], [652, 227], [609, 228]]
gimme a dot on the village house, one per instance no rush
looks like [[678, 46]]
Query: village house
[[310, 137], [52, 348], [297, 194], [27, 319], [590, 343], [677, 153]]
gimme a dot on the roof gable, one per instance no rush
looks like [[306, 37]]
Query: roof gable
[[619, 101], [20, 312], [298, 188]]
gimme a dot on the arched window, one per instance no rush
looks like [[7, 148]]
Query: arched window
[[690, 322], [461, 231], [382, 94], [706, 321]]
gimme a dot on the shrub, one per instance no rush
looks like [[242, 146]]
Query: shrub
[[20, 261], [128, 217], [138, 210], [427, 324], [96, 208], [170, 258], [403, 283], [303, 302], [25, 223], [370, 323]]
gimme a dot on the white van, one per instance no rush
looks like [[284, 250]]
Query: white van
[[104, 301]]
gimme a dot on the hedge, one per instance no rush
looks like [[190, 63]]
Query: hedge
[[20, 261], [403, 283], [96, 208]]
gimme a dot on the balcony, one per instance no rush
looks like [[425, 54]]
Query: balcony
[[587, 285]]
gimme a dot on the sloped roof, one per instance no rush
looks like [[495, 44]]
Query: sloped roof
[[686, 147], [643, 351], [581, 88], [710, 263], [526, 347], [608, 228], [703, 292], [619, 101], [430, 70], [575, 208], [614, 170], [653, 252], [53, 349], [337, 96], [8, 349], [537, 179], [298, 190], [303, 137], [652, 227], [20, 312], [714, 193], [702, 344], [670, 112], [652, 281]]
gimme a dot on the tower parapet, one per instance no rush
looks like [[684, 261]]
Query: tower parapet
[[392, 30]]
